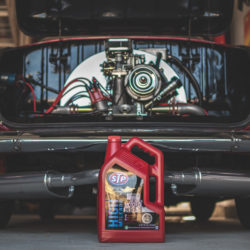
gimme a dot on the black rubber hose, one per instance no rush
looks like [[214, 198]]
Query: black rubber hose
[[194, 83]]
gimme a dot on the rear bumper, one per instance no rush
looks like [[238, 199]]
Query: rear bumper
[[172, 141]]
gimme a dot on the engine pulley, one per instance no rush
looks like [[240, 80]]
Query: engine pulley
[[143, 82]]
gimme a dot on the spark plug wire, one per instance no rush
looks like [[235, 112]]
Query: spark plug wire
[[33, 94], [60, 95]]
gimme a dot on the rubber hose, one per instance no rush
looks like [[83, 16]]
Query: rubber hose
[[194, 83]]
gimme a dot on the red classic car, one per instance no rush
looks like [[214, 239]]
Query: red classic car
[[132, 68]]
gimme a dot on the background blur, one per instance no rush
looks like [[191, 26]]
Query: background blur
[[11, 36]]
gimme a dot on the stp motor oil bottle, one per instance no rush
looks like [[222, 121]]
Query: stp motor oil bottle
[[125, 211]]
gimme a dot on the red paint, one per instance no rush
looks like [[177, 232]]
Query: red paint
[[220, 39], [3, 128], [247, 128], [95, 93], [65, 39], [121, 155]]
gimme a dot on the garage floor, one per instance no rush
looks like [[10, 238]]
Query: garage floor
[[79, 232]]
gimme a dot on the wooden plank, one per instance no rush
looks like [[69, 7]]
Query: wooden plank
[[12, 20], [6, 43], [3, 13], [4, 24], [3, 6], [18, 37]]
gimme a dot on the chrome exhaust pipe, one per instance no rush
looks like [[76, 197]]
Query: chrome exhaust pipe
[[31, 186], [209, 183], [38, 185]]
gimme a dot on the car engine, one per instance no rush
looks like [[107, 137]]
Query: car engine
[[123, 79], [122, 82]]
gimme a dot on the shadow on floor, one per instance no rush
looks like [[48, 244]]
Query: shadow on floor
[[88, 224]]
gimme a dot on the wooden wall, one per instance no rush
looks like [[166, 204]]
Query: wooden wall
[[10, 35]]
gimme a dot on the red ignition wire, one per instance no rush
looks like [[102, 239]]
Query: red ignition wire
[[33, 95], [205, 111], [59, 97]]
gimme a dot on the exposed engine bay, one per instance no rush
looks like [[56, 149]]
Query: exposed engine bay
[[125, 82], [120, 78]]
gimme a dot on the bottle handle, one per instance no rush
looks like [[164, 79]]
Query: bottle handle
[[155, 170]]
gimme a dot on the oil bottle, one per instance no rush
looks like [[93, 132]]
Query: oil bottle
[[125, 211]]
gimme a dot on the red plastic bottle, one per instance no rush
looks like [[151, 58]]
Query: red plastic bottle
[[125, 212]]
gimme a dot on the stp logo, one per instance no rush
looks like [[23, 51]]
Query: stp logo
[[118, 178]]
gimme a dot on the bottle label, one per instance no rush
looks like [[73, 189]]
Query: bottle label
[[124, 207]]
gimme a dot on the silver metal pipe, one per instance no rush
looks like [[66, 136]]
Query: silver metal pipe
[[211, 183], [72, 110], [180, 109], [210, 143], [40, 185], [85, 177], [31, 186]]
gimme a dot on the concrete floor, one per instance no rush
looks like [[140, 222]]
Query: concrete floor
[[79, 232]]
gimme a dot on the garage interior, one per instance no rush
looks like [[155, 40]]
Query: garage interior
[[60, 225]]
